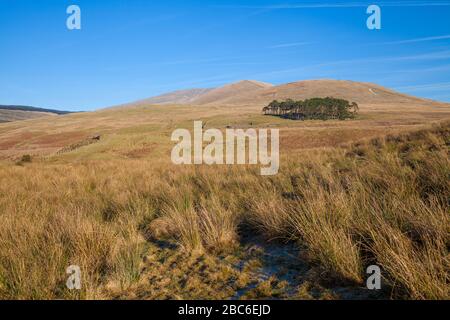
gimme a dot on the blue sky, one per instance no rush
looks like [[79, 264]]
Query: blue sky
[[129, 50]]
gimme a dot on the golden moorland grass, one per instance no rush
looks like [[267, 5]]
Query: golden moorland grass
[[382, 201], [112, 207]]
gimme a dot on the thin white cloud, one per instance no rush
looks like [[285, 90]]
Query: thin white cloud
[[440, 68], [288, 45], [419, 39], [359, 4], [193, 61], [426, 87], [438, 55]]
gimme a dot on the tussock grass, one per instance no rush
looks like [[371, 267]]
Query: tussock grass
[[384, 201]]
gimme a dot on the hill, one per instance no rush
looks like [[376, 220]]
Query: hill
[[258, 93], [100, 189], [233, 92], [142, 130], [177, 97], [359, 92], [9, 113]]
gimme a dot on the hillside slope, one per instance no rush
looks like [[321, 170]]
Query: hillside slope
[[17, 115], [359, 92], [234, 92], [10, 113], [177, 97], [143, 130], [249, 92]]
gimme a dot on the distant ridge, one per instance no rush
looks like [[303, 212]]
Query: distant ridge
[[207, 95], [34, 109], [177, 97], [9, 113], [234, 91], [251, 92]]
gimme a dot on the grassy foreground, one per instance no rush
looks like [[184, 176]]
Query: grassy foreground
[[150, 230]]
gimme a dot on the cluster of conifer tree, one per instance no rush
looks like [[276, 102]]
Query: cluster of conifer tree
[[315, 108]]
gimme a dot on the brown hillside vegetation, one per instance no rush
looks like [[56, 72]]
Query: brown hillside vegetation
[[254, 92], [17, 115], [349, 194], [382, 202], [359, 92], [177, 97], [233, 91], [9, 113], [386, 112]]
